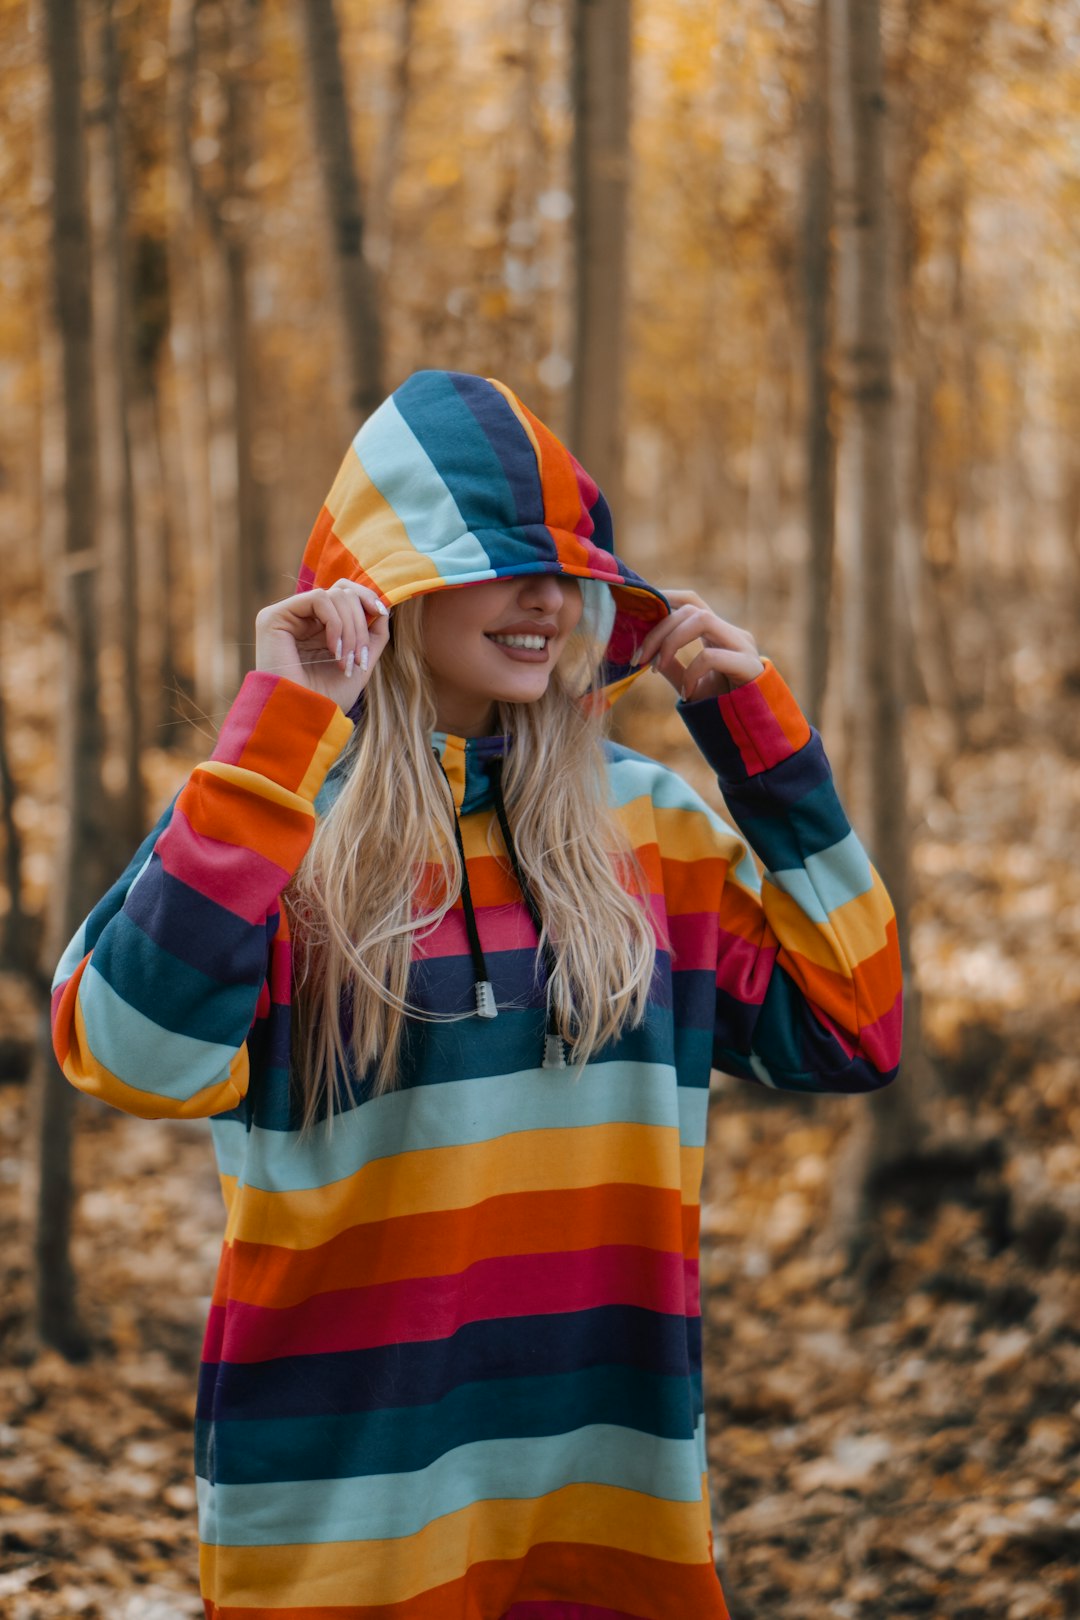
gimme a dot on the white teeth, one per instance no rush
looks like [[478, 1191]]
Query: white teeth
[[535, 643]]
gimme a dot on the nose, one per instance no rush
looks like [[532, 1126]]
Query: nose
[[547, 592]]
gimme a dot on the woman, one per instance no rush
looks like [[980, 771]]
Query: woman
[[449, 971]]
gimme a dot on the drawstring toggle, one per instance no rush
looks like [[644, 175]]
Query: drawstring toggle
[[485, 1000]]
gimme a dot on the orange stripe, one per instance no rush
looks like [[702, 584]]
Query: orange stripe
[[871, 987], [647, 1588], [690, 887], [445, 1243], [283, 739], [786, 712], [218, 808]]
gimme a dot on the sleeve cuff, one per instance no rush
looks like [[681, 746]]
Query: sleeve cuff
[[749, 730], [283, 731]]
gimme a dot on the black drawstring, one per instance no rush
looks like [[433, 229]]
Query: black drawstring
[[485, 995], [554, 1050]]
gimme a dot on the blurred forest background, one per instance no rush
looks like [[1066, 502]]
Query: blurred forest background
[[799, 282]]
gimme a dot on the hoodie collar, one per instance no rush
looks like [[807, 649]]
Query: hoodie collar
[[465, 761]]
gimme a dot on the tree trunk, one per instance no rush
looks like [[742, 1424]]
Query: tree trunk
[[252, 584], [820, 443], [116, 374], [601, 162], [191, 370], [341, 184], [380, 238], [16, 948], [892, 1123], [79, 874]]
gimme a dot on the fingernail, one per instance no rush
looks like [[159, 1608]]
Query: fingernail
[[349, 666], [338, 653], [364, 659], [384, 610], [654, 664]]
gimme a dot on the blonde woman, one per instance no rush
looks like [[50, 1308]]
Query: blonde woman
[[449, 972]]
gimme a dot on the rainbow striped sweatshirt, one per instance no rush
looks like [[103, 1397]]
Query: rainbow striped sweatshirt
[[452, 1367]]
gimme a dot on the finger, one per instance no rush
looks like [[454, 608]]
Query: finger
[[716, 669], [687, 624], [374, 606], [658, 633]]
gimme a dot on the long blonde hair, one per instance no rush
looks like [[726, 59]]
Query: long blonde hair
[[356, 909]]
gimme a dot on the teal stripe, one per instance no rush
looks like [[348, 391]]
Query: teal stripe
[[139, 1052], [828, 880], [480, 1110], [385, 1506], [403, 472]]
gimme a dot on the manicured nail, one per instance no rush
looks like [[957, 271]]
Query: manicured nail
[[349, 666], [338, 653], [383, 609], [364, 659], [654, 664]]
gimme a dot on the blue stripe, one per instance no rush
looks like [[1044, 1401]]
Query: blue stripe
[[495, 1107], [136, 1050], [385, 1506], [406, 477]]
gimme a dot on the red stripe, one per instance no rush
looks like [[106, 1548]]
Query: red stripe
[[419, 1309], [245, 883]]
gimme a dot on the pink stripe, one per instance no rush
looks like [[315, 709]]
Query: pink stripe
[[419, 1309], [743, 968], [242, 718], [280, 971], [240, 880], [693, 937], [502, 928], [755, 728]]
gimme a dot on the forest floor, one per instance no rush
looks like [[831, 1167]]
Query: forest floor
[[897, 1438]]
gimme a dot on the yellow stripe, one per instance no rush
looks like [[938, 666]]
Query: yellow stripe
[[434, 1179], [327, 750], [389, 556], [373, 1572], [693, 1168], [683, 835], [858, 927], [255, 782], [84, 1070]]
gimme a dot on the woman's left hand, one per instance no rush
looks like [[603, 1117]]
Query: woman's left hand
[[728, 659]]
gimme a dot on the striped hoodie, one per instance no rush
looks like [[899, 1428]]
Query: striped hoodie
[[452, 1367]]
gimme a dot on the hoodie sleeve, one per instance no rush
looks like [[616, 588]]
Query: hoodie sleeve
[[808, 985], [155, 995]]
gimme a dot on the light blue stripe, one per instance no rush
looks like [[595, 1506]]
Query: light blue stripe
[[404, 473], [464, 1111], [693, 1115], [377, 1507], [71, 958], [139, 1052], [829, 879]]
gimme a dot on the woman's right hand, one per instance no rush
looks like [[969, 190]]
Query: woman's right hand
[[328, 640]]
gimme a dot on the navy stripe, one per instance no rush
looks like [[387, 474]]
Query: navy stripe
[[422, 1373], [196, 930], [402, 1439], [175, 996]]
